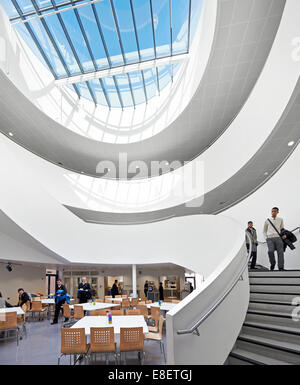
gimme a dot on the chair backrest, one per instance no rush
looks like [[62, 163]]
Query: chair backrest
[[175, 301], [116, 307], [142, 303], [134, 302], [144, 299], [133, 312], [117, 312], [108, 296], [131, 339], [125, 302], [8, 320], [100, 300], [103, 339], [36, 306], [143, 309], [99, 312], [24, 307], [118, 296], [78, 312], [124, 296], [28, 304], [72, 340], [66, 310], [160, 326], [148, 301], [155, 313]]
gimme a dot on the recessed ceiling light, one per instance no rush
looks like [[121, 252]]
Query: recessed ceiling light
[[266, 174], [10, 134], [290, 144]]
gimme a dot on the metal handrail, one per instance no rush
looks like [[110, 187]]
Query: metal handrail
[[194, 329], [293, 231]]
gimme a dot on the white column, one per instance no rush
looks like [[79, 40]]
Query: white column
[[134, 281]]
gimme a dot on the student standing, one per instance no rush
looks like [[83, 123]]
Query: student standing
[[251, 231], [114, 289], [161, 292], [61, 296], [272, 230], [146, 287], [84, 291]]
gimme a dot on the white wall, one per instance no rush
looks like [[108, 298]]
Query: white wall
[[30, 278], [283, 191]]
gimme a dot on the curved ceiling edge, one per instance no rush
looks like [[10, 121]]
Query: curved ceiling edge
[[62, 148], [258, 171]]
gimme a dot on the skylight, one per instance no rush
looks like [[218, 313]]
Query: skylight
[[79, 37]]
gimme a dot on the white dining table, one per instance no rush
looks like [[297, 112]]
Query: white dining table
[[98, 306], [118, 322], [120, 299], [51, 301], [12, 309], [165, 306]]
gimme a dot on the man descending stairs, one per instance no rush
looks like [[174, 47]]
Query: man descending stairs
[[271, 332]]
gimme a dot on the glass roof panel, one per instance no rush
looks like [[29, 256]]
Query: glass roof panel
[[74, 37]]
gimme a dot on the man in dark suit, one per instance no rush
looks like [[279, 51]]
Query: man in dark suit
[[60, 299], [84, 291], [114, 289]]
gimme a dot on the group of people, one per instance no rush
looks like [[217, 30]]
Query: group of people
[[277, 237], [84, 294]]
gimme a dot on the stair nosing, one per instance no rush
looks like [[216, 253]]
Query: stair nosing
[[266, 302], [271, 314]]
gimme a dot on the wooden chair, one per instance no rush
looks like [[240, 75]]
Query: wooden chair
[[144, 311], [133, 312], [134, 302], [117, 312], [124, 296], [100, 300], [73, 343], [36, 307], [99, 312], [154, 316], [158, 336], [8, 323], [125, 303], [78, 312], [132, 339], [142, 303], [116, 307], [118, 296], [175, 301], [103, 341], [144, 299], [148, 302], [68, 314]]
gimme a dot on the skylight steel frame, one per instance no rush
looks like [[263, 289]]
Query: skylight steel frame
[[56, 8]]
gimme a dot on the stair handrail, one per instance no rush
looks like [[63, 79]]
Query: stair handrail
[[194, 329], [292, 231]]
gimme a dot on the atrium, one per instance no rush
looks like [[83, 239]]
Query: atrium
[[149, 198]]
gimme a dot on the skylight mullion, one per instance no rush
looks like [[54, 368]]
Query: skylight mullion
[[135, 31], [171, 29], [117, 29], [153, 31], [101, 35], [85, 38], [105, 94], [91, 92], [35, 39], [144, 86], [157, 77], [131, 90], [118, 92], [49, 34], [62, 24], [189, 27]]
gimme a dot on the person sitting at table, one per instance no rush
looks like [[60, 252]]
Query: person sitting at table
[[84, 291], [61, 296], [161, 291], [4, 303], [23, 297], [114, 289]]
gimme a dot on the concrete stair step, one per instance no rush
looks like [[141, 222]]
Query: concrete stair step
[[269, 351], [279, 307], [254, 358], [274, 288], [282, 297], [273, 327], [287, 273], [273, 318], [264, 279], [258, 330]]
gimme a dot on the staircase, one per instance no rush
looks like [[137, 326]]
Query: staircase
[[269, 335]]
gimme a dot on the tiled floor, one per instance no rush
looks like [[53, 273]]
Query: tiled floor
[[42, 347]]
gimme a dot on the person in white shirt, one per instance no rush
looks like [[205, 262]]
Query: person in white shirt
[[274, 240]]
